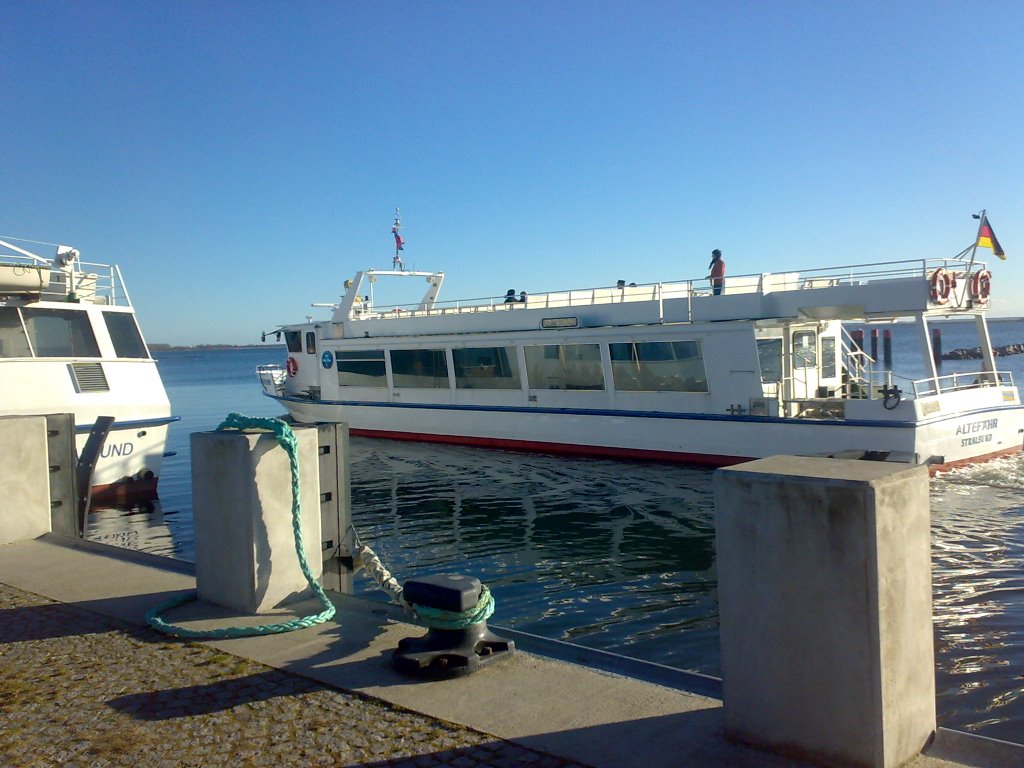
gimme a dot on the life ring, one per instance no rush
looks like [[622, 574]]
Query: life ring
[[981, 285], [940, 284], [292, 366]]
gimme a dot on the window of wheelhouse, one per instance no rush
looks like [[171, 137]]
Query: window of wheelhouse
[[805, 349], [423, 368], [13, 342], [364, 368], [485, 368], [124, 333], [294, 340], [60, 333], [769, 354], [564, 366], [659, 366], [310, 343]]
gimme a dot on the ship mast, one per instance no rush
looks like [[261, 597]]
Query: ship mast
[[396, 262]]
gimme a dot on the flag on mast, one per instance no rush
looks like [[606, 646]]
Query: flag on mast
[[987, 238], [399, 243]]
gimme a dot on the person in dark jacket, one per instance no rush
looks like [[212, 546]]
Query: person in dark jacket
[[717, 275]]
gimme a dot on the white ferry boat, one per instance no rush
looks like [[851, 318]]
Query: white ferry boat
[[664, 371], [69, 343]]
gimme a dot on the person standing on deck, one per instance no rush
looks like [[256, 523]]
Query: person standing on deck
[[717, 276]]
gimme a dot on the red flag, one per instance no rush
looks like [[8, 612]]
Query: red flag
[[399, 242]]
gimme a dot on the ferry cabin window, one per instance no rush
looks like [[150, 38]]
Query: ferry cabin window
[[424, 368], [805, 352], [60, 333], [13, 342], [124, 333], [828, 357], [485, 368], [294, 341], [769, 354], [361, 369], [659, 366], [310, 343], [564, 366]]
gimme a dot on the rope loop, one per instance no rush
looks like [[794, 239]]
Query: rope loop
[[286, 438], [437, 618], [433, 618]]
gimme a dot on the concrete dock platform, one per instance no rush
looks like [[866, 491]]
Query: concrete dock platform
[[83, 682]]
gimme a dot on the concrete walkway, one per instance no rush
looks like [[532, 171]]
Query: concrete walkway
[[83, 683]]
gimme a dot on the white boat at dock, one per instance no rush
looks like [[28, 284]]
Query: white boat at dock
[[664, 371], [70, 343]]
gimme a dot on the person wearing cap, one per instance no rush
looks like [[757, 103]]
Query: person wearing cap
[[717, 276]]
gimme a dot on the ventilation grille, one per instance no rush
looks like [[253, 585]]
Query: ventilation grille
[[88, 377]]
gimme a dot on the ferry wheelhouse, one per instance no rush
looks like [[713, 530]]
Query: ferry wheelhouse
[[664, 371], [70, 343]]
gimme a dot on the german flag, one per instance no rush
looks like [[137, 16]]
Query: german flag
[[987, 238]]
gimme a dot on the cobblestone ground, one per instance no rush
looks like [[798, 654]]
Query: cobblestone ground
[[78, 689]]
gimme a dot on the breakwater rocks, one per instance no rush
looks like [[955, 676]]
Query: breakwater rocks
[[975, 353]]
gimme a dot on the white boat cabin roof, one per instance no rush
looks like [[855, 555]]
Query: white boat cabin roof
[[880, 291]]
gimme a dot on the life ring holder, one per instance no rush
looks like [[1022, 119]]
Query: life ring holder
[[292, 366], [981, 286], [940, 286]]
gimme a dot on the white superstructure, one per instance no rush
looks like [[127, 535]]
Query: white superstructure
[[662, 371], [69, 343]]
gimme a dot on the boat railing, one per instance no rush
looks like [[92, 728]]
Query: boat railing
[[954, 382], [81, 281], [754, 283], [90, 282], [859, 366]]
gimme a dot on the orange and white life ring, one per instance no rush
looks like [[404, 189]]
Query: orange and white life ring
[[292, 366], [981, 285], [940, 286]]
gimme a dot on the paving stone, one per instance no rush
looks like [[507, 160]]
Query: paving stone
[[80, 689]]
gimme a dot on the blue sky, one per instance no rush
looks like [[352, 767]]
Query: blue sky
[[240, 160]]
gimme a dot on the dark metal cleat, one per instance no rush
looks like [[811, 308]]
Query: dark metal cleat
[[448, 652]]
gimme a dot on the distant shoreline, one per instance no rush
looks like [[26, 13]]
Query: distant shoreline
[[193, 347]]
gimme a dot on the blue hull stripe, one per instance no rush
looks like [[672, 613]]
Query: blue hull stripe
[[660, 414], [627, 414]]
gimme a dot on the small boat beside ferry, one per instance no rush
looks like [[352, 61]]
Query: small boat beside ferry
[[665, 371], [70, 343]]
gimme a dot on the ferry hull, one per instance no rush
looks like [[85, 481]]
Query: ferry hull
[[704, 439]]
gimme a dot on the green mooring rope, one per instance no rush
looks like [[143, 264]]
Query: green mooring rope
[[437, 618], [433, 618], [286, 438]]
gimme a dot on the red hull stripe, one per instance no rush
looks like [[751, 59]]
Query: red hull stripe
[[563, 449], [125, 491], [975, 459], [569, 449]]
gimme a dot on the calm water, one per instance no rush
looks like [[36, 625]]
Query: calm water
[[615, 555]]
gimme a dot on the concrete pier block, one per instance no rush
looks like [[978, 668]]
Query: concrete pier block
[[335, 507], [24, 479], [242, 502], [825, 608]]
